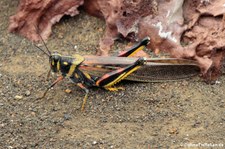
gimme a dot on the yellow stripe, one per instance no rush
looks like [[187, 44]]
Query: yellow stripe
[[65, 63], [87, 75], [72, 69], [115, 81], [138, 49], [76, 75], [131, 71], [58, 65], [122, 76]]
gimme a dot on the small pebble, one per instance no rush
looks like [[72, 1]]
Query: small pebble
[[217, 82], [100, 29], [2, 125], [0, 75], [94, 142], [173, 131], [67, 117], [68, 91], [60, 36], [33, 113], [18, 97], [27, 93]]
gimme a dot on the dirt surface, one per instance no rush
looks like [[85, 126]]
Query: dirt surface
[[145, 115]]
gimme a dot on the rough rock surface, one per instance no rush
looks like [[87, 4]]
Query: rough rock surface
[[205, 23], [185, 29], [122, 18], [41, 14]]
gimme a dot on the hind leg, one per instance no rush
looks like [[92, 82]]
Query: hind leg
[[109, 79]]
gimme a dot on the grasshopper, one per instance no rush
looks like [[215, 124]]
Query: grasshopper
[[105, 72]]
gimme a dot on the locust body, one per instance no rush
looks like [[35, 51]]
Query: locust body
[[105, 72], [69, 67]]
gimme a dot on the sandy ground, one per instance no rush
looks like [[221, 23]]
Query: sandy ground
[[145, 115]]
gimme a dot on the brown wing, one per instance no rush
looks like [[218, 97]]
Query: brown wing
[[155, 70]]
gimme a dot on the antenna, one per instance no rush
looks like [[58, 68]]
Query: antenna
[[42, 50], [49, 52]]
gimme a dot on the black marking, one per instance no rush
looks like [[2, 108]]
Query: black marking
[[143, 42], [82, 78], [115, 74]]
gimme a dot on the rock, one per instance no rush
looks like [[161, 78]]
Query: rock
[[75, 47], [68, 91], [27, 93], [173, 131], [42, 14], [18, 97], [60, 36], [94, 142], [67, 117]]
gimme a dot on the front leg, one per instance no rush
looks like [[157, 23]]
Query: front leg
[[111, 78], [53, 84]]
